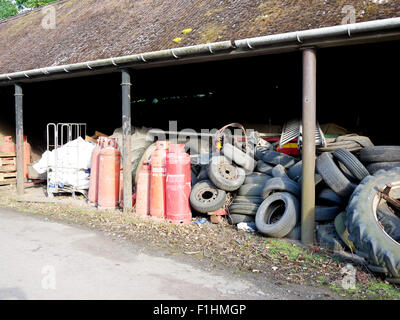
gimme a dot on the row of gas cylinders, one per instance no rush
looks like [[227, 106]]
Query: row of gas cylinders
[[8, 146], [164, 184], [163, 187]]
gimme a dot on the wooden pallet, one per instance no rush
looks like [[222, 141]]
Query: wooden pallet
[[8, 167], [7, 178], [8, 164]]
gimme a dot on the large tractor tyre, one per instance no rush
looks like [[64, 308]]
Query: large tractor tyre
[[239, 157], [333, 177], [225, 175], [205, 197], [380, 154], [369, 237], [278, 215], [280, 185], [351, 163]]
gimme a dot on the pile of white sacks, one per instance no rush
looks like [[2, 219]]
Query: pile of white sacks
[[68, 164]]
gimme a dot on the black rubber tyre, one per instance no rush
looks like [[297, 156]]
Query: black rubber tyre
[[268, 209], [225, 175], [275, 158], [317, 179], [295, 171], [323, 213], [279, 171], [295, 234], [205, 197], [329, 196], [374, 167], [244, 208], [252, 190], [256, 178], [247, 199], [235, 218], [193, 178], [281, 185], [328, 238], [203, 174], [333, 177], [351, 163], [352, 178], [264, 167], [259, 153], [365, 231], [380, 154], [239, 157]]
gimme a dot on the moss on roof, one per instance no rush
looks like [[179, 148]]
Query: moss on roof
[[95, 29]]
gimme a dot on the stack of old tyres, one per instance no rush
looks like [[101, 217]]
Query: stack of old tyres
[[380, 157], [248, 199], [278, 215], [225, 172], [269, 196], [341, 172]]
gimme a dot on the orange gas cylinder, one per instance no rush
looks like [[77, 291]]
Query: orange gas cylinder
[[8, 146], [157, 179], [178, 185], [94, 173], [109, 176], [27, 156], [121, 187], [143, 191]]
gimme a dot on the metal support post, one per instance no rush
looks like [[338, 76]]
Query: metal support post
[[126, 140], [309, 124], [19, 137]]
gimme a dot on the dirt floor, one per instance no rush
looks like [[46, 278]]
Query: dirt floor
[[216, 247]]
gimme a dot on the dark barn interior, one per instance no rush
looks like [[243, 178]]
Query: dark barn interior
[[356, 89]]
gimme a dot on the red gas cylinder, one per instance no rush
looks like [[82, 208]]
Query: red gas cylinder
[[143, 191], [94, 173], [157, 179], [109, 176], [178, 185], [8, 146]]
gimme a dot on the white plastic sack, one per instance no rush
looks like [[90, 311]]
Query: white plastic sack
[[68, 164]]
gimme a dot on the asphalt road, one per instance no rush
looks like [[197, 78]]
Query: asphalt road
[[42, 259]]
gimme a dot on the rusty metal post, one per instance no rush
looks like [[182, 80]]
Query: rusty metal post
[[19, 137], [309, 127], [126, 140]]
